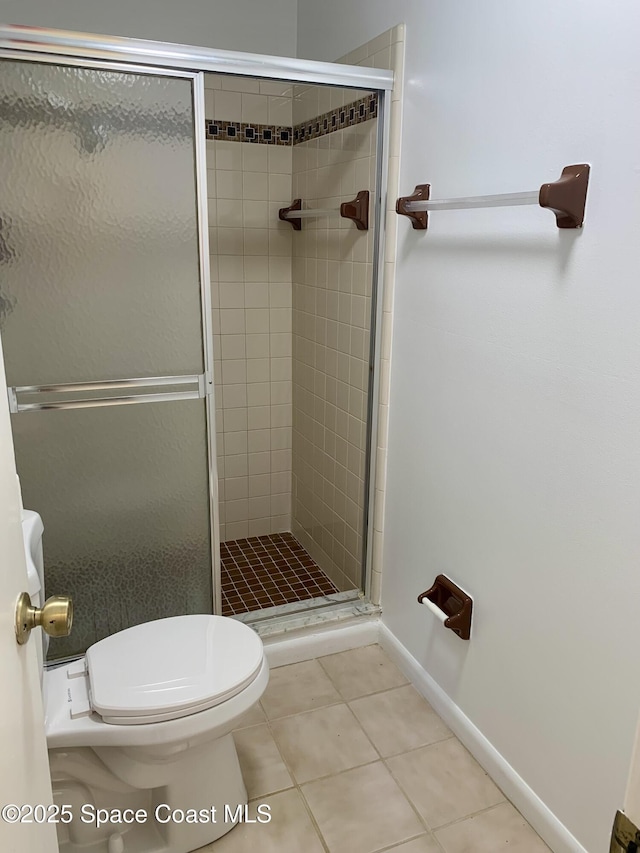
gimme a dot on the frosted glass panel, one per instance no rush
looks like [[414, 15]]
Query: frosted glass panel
[[123, 494], [99, 272]]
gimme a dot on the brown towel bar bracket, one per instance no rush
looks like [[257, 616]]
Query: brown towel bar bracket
[[356, 210], [284, 212], [450, 604], [566, 197]]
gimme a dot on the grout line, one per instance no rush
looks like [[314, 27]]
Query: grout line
[[475, 814], [298, 788]]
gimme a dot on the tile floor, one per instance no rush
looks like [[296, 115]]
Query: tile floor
[[264, 571], [351, 759]]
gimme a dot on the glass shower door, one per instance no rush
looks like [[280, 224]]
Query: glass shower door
[[102, 288]]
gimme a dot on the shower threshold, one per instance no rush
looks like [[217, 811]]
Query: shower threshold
[[286, 618]]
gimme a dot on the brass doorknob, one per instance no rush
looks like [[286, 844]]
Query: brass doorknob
[[55, 617]]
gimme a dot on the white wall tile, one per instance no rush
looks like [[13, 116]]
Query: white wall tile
[[234, 419], [259, 440], [257, 321], [227, 106], [234, 396], [257, 268], [259, 417], [239, 84], [258, 294], [280, 111], [255, 242], [236, 488], [259, 393], [234, 372], [235, 443], [236, 466], [228, 155], [257, 345], [259, 485], [229, 213], [254, 157], [255, 108], [255, 186], [259, 463], [257, 370], [232, 321], [233, 346], [230, 242]]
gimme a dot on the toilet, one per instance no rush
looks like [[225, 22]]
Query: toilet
[[139, 731]]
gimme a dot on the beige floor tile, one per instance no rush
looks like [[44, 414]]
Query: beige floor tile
[[362, 671], [399, 720], [424, 844], [289, 831], [361, 810], [444, 782], [263, 769], [322, 742], [501, 828], [252, 717], [298, 687]]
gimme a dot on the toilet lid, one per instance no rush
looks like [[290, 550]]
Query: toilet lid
[[171, 667]]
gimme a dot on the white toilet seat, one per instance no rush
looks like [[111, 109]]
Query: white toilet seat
[[215, 671], [169, 668]]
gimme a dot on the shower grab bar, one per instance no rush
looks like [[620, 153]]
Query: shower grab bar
[[566, 197], [15, 406], [357, 210]]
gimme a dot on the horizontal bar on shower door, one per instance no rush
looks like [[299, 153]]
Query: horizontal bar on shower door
[[106, 384], [108, 401], [199, 391]]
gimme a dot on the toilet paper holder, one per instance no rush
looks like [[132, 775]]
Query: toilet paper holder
[[450, 604]]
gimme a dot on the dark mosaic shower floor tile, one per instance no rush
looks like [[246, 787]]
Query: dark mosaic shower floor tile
[[264, 571]]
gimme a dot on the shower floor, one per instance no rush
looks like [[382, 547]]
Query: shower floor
[[265, 571]]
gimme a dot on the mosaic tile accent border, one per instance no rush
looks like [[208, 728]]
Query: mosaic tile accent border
[[237, 131], [339, 118], [349, 115]]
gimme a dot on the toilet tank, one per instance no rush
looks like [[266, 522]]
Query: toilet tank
[[32, 530]]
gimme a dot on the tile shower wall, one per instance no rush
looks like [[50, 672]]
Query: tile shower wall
[[251, 291], [332, 274]]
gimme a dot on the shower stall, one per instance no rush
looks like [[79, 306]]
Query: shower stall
[[192, 375]]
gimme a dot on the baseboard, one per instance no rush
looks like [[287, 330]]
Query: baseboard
[[324, 640], [541, 818]]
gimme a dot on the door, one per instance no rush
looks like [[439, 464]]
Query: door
[[104, 313], [25, 768], [625, 835]]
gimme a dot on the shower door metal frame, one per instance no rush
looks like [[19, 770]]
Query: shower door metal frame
[[204, 383], [168, 59]]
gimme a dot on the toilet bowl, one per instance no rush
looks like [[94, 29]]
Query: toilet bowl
[[139, 730]]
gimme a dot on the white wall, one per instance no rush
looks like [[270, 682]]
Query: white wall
[[514, 449], [256, 26]]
